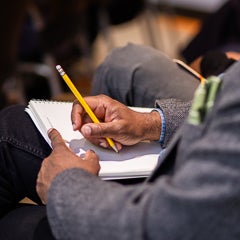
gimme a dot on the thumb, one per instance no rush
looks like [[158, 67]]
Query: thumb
[[56, 138], [95, 130]]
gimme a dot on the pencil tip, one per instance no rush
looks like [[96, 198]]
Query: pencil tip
[[115, 149]]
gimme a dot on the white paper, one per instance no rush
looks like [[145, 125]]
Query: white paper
[[132, 161]]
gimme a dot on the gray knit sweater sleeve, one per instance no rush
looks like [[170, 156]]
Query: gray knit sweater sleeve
[[175, 112]]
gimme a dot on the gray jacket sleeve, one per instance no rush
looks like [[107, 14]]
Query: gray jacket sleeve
[[198, 200], [81, 206], [175, 112]]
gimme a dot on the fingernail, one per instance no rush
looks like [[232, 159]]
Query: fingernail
[[82, 155], [87, 131], [103, 144], [49, 130]]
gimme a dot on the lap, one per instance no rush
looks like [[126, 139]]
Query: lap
[[22, 149], [136, 75]]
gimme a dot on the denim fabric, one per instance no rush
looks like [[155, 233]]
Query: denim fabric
[[21, 152], [22, 149]]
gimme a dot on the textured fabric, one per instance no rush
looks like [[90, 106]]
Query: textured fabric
[[175, 112], [22, 149], [193, 194]]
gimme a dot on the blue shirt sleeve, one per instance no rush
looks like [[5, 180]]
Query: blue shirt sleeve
[[163, 130]]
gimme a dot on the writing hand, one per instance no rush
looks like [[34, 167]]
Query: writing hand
[[123, 125], [60, 159]]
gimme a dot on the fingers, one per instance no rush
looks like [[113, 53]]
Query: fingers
[[56, 138], [41, 188], [79, 116], [93, 162], [90, 155], [97, 134], [100, 130], [77, 112]]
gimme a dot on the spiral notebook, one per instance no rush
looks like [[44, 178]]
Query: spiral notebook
[[131, 162]]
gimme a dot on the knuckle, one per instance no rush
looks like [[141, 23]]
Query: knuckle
[[75, 102]]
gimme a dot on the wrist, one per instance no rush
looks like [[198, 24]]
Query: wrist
[[152, 126]]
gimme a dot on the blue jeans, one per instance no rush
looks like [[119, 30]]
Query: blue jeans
[[22, 150]]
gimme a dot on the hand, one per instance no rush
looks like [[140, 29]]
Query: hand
[[60, 159], [123, 125]]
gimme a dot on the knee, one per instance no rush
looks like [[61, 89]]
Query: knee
[[117, 67], [123, 58]]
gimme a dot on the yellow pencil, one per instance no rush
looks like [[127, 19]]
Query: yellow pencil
[[82, 102]]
